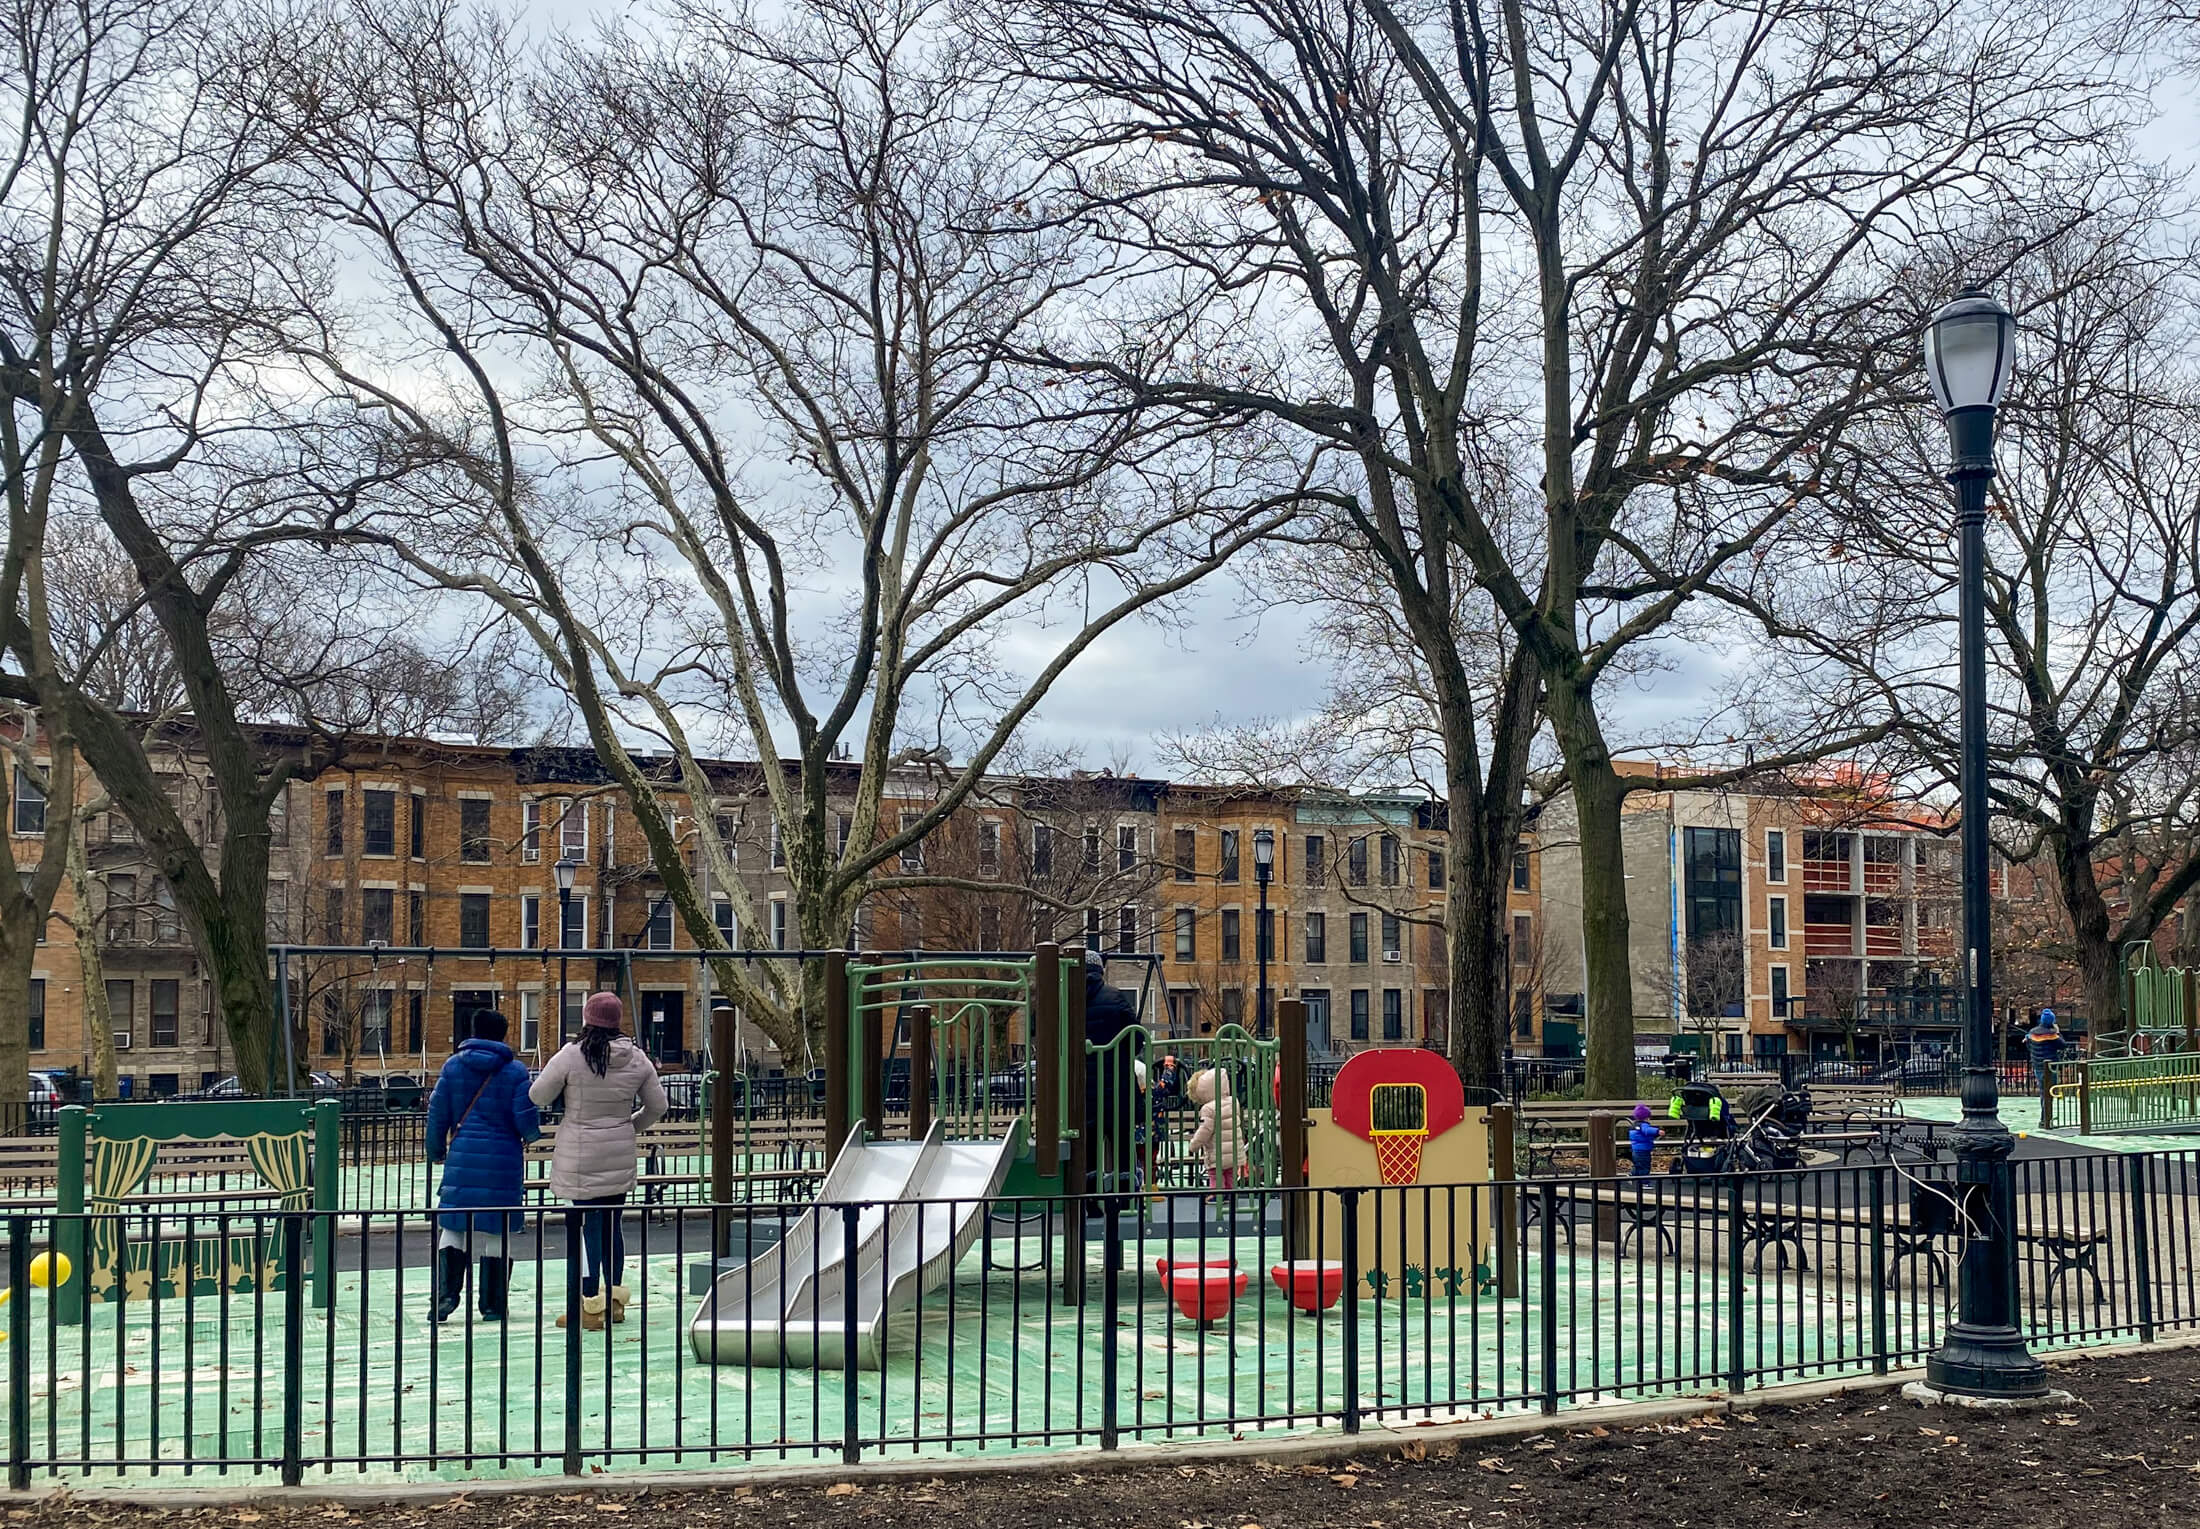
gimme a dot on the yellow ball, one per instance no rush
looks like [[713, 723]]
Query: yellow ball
[[50, 1269]]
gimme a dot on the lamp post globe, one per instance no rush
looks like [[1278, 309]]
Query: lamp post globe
[[1970, 355]]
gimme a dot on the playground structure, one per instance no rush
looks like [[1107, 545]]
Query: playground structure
[[1006, 1106], [2145, 1075]]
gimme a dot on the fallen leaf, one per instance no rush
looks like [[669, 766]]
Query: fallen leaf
[[1494, 1464], [2028, 1462], [1345, 1480], [611, 1507], [1413, 1449], [2139, 1380], [1600, 1432], [842, 1489], [245, 1516]]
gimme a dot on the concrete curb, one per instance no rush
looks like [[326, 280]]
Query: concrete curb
[[1329, 1446]]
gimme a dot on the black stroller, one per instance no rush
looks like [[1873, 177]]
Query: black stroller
[[1764, 1134]]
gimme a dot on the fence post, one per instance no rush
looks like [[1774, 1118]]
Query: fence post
[[1547, 1287], [573, 1254], [70, 1228], [920, 1071], [1603, 1164], [2085, 1099], [837, 1122], [294, 1349], [1044, 1014], [1734, 1302], [19, 1356], [1503, 1172], [1879, 1271], [851, 1398], [873, 1040], [1080, 1133], [1291, 1122], [722, 1046], [1350, 1357], [1110, 1341], [2142, 1240]]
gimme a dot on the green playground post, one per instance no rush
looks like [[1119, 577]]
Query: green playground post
[[69, 1235], [327, 1187]]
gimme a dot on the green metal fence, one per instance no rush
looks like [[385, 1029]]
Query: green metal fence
[[1146, 1093], [2141, 1093]]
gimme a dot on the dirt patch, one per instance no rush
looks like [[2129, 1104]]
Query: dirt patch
[[2127, 1453]]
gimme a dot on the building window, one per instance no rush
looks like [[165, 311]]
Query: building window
[[573, 830], [1264, 934], [989, 927], [418, 827], [573, 930], [166, 998], [1187, 843], [1316, 939], [278, 822], [843, 825], [1126, 931], [378, 823], [335, 800], [779, 847], [1523, 940], [1317, 862], [657, 931], [1436, 870], [1355, 864], [1229, 854], [1042, 851], [721, 914], [38, 1014], [1779, 992], [779, 924], [1394, 1014], [1359, 939], [1126, 847], [912, 853], [334, 1023], [1233, 1006], [1229, 934], [1435, 1018], [374, 1022], [416, 1015], [530, 1022], [1393, 938], [1712, 880], [1092, 929], [1389, 860], [1359, 1013], [332, 915], [530, 831], [1520, 870], [1776, 854], [122, 908], [989, 848], [473, 829], [1187, 946], [1777, 909], [1832, 847], [1318, 1037], [530, 920], [377, 914], [473, 920], [121, 1003], [166, 930], [416, 918]]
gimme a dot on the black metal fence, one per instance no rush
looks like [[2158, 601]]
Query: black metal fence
[[1052, 1327]]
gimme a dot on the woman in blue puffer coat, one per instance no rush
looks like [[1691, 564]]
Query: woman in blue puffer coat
[[479, 1123]]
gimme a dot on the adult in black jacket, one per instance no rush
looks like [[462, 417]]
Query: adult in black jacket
[[1111, 1084]]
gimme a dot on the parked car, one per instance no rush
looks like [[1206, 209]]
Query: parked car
[[45, 1092], [1839, 1072], [317, 1085]]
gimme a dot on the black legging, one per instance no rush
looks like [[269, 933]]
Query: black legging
[[599, 1226]]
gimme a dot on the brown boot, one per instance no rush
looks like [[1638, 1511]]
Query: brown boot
[[592, 1313], [619, 1301]]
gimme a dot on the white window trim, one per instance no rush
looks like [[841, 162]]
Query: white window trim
[[1781, 879], [573, 812], [1781, 938], [530, 831], [530, 903]]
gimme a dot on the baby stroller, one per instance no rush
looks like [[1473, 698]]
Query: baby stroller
[[1706, 1129], [1763, 1135]]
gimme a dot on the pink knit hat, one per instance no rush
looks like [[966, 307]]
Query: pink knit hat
[[602, 1011]]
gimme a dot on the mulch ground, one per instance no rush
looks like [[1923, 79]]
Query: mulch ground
[[2126, 1453]]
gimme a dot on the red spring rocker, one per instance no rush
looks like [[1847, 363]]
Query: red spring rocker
[[1162, 1266], [1310, 1285], [1202, 1292]]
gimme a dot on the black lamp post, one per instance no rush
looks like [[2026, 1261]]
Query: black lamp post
[[1264, 871], [566, 867], [1970, 351]]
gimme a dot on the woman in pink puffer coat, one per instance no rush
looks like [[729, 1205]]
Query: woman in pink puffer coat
[[1220, 1139]]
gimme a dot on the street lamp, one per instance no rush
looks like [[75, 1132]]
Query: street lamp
[[566, 867], [1264, 871], [1970, 351]]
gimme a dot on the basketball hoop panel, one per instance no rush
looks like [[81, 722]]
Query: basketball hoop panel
[[1398, 1155]]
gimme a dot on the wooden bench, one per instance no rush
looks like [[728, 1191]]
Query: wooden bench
[[1548, 1124]]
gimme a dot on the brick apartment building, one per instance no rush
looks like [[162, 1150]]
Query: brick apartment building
[[1765, 919]]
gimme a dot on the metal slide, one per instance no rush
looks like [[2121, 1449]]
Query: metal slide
[[789, 1306]]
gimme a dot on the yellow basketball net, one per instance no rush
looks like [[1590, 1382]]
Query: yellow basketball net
[[1397, 1116]]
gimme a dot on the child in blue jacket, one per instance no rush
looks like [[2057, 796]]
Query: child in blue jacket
[[1641, 1137]]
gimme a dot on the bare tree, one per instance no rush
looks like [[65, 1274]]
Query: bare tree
[[1716, 980], [776, 475], [1602, 289]]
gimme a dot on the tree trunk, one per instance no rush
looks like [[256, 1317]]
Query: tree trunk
[[18, 936], [99, 1020], [2092, 939], [1609, 1046]]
